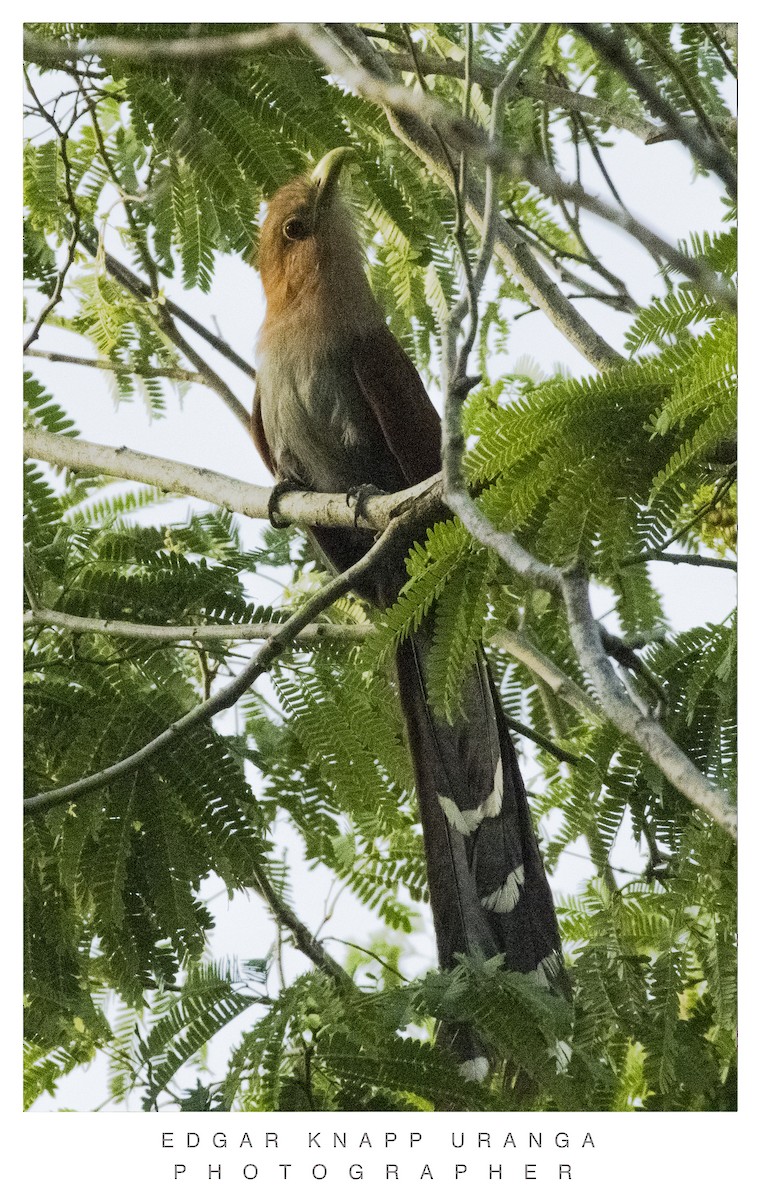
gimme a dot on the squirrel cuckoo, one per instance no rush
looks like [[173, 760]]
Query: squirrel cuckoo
[[339, 405]]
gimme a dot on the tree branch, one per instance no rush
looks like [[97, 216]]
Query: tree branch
[[202, 49], [647, 733], [369, 73], [142, 291], [185, 49], [302, 935], [163, 319], [520, 648], [692, 560], [325, 632], [488, 75], [305, 508], [311, 634], [587, 636], [406, 520], [108, 364], [542, 741], [544, 293], [406, 111], [612, 48], [74, 236], [670, 62], [319, 509]]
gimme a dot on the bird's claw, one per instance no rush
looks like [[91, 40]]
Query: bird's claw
[[277, 492], [358, 496]]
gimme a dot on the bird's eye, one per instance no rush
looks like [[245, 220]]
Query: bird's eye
[[295, 230]]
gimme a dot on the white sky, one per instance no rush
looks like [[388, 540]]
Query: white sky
[[658, 186]]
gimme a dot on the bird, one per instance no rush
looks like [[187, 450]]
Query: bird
[[339, 406]]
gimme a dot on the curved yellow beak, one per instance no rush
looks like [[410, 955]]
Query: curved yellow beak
[[327, 172]]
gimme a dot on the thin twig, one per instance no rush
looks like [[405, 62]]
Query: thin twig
[[691, 560], [671, 64], [723, 487], [456, 383], [627, 657], [142, 291], [370, 954], [565, 756], [302, 935], [108, 364], [712, 34], [161, 316], [58, 288], [139, 242], [553, 253]]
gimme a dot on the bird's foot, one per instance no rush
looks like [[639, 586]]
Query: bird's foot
[[358, 496], [277, 492]]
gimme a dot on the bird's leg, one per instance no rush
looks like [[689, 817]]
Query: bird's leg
[[359, 495], [280, 489]]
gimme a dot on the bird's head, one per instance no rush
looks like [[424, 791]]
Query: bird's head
[[310, 259]]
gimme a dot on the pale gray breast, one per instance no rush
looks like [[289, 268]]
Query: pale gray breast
[[318, 424]]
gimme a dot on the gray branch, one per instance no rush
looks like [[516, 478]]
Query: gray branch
[[260, 631], [544, 293], [511, 643], [185, 49], [645, 732], [229, 45], [587, 636], [304, 508], [382, 512], [520, 648]]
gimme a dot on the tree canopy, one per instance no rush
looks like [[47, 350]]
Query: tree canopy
[[150, 152]]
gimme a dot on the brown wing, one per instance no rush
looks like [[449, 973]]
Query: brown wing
[[258, 434], [395, 393]]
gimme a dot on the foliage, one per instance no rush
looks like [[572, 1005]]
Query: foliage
[[605, 470]]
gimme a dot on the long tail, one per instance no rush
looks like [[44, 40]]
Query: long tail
[[489, 891]]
